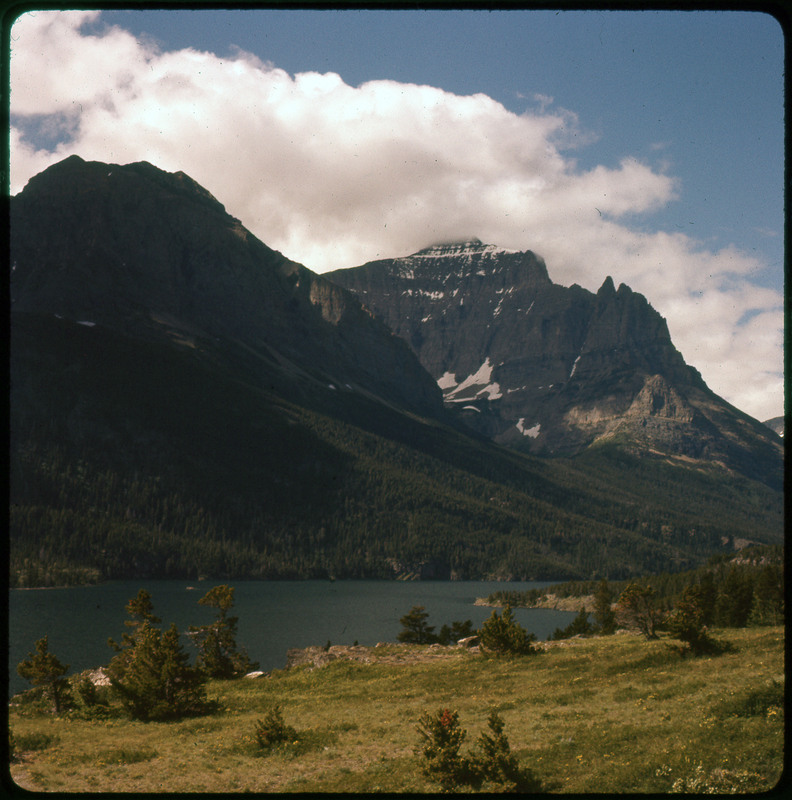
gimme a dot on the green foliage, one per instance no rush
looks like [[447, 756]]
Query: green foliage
[[150, 672], [580, 625], [415, 629], [43, 668], [686, 622], [273, 730], [733, 607], [503, 635], [442, 737], [498, 765], [218, 653], [457, 630], [360, 491], [636, 609], [603, 610], [491, 766], [733, 590]]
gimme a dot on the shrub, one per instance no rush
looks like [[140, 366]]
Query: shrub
[[503, 635], [442, 737], [686, 622], [496, 763], [273, 730], [492, 765]]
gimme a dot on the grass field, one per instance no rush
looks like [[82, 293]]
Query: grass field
[[609, 714]]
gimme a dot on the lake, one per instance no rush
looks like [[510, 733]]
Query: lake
[[273, 615]]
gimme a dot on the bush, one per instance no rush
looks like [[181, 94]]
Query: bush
[[504, 636], [496, 764], [273, 730], [686, 623], [492, 765], [442, 737]]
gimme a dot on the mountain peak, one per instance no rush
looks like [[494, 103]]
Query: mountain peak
[[472, 246]]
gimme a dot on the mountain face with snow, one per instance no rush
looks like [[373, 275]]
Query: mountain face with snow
[[187, 402], [555, 370]]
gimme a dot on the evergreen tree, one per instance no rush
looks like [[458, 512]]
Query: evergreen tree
[[218, 654], [415, 630], [42, 668], [686, 621], [150, 671], [735, 599], [708, 596], [457, 631], [504, 635], [603, 612], [496, 763], [580, 625], [768, 598], [636, 609]]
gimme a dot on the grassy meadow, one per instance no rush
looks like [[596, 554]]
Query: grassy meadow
[[601, 714]]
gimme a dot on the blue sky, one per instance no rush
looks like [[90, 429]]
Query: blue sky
[[644, 145]]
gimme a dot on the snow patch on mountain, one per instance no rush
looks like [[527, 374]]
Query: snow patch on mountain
[[481, 377], [533, 432], [447, 381]]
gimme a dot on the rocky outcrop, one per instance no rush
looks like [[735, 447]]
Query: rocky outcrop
[[551, 369]]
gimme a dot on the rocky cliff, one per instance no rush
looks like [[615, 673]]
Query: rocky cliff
[[552, 369]]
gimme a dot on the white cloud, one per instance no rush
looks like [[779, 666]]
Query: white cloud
[[334, 175]]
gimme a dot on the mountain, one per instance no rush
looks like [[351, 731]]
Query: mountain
[[153, 255], [554, 370], [186, 402], [776, 424]]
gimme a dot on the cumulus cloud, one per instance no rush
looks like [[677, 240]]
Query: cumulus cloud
[[335, 175]]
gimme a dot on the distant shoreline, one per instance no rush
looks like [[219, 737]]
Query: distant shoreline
[[551, 602]]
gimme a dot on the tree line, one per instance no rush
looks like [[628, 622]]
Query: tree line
[[734, 591]]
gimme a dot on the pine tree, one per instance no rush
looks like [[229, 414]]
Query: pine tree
[[150, 671], [42, 668], [603, 612], [686, 621], [416, 631], [218, 654], [735, 599], [504, 635]]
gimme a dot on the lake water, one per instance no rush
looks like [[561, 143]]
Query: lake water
[[273, 615]]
